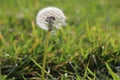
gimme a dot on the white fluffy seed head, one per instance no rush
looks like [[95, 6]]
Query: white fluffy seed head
[[50, 12]]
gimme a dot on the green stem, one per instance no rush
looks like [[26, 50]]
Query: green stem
[[45, 55]]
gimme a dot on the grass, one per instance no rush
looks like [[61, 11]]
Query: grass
[[87, 48]]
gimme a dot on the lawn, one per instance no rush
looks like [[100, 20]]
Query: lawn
[[88, 48]]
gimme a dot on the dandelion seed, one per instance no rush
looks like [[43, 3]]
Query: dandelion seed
[[50, 18]]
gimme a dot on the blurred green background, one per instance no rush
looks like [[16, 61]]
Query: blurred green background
[[93, 30]]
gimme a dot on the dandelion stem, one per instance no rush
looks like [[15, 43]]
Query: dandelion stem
[[45, 54]]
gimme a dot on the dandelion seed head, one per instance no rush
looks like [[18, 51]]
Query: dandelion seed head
[[50, 18]]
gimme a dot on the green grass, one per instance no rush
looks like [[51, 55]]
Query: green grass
[[87, 48]]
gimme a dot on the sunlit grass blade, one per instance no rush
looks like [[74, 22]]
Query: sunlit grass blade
[[115, 76], [41, 68]]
